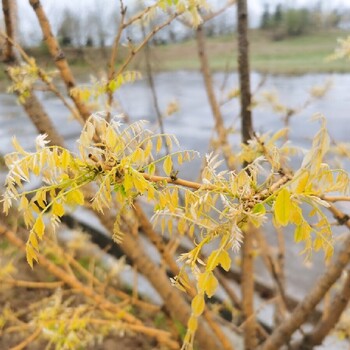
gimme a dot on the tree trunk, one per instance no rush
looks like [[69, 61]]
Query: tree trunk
[[31, 105], [250, 339], [58, 57]]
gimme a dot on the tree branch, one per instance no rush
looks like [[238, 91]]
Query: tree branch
[[250, 339], [322, 329], [214, 105], [58, 57], [284, 331]]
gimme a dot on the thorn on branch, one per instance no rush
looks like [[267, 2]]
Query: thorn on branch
[[342, 220], [60, 56], [173, 175]]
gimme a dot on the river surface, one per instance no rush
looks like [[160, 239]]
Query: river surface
[[193, 125]]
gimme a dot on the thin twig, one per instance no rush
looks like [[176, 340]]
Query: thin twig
[[28, 340], [114, 55]]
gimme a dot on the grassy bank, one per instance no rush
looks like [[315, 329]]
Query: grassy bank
[[294, 55]]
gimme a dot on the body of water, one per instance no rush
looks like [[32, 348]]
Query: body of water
[[193, 125]]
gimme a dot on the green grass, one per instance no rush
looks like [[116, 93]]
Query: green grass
[[295, 55]]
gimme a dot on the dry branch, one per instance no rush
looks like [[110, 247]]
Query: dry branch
[[214, 105], [173, 300], [8, 16], [113, 57], [250, 339], [322, 329], [31, 105], [68, 279], [284, 331]]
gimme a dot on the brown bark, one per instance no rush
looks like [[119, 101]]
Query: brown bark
[[214, 105], [68, 278], [282, 334], [322, 329], [41, 120], [99, 300], [176, 305], [173, 301], [250, 339], [8, 16], [247, 288], [31, 105], [169, 259], [244, 71], [274, 269], [58, 56]]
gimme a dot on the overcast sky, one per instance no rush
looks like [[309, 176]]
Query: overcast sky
[[54, 8]]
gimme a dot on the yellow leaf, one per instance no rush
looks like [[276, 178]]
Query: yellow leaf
[[159, 144], [283, 207], [140, 183], [168, 165], [75, 197], [168, 142], [212, 285], [302, 182], [181, 226], [225, 260], [150, 192], [111, 138], [328, 251], [39, 227], [259, 209], [40, 198], [197, 305], [31, 255], [33, 241], [28, 217], [23, 203], [318, 242], [191, 231], [192, 324], [65, 159], [302, 232], [207, 282], [128, 182], [57, 209], [213, 260], [138, 155], [296, 216], [170, 227], [148, 149], [17, 146], [151, 169]]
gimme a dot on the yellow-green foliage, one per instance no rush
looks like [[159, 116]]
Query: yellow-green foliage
[[119, 163], [24, 76], [343, 49], [98, 89]]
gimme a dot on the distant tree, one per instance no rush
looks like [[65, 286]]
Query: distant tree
[[278, 15], [286, 21], [334, 19], [70, 32], [89, 42], [266, 17], [297, 21]]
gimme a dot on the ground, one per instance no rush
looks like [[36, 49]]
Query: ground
[[292, 55]]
